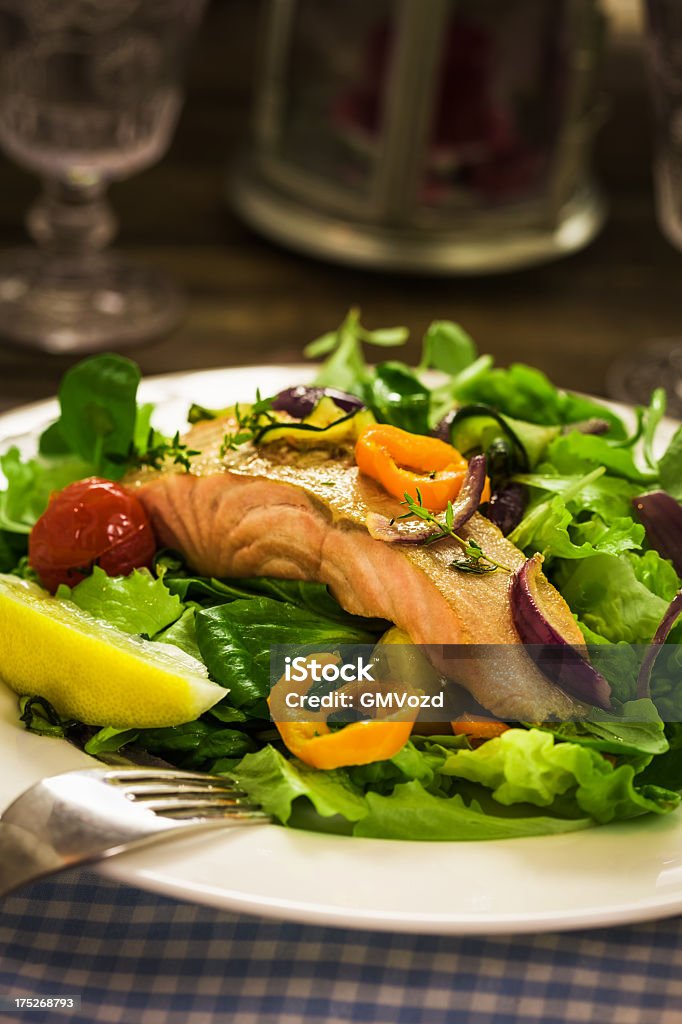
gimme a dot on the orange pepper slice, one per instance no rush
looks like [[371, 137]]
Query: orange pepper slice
[[358, 743], [478, 728], [404, 463], [314, 743]]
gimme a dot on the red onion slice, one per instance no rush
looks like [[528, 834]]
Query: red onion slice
[[662, 519], [660, 636], [558, 659], [300, 401], [405, 531]]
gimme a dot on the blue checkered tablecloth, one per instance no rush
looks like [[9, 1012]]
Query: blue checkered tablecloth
[[138, 958]]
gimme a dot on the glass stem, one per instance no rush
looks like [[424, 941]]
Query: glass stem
[[73, 222]]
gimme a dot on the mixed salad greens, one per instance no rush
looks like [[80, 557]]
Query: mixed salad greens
[[568, 480]]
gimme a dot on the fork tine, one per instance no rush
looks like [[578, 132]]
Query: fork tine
[[237, 815], [150, 788], [163, 803], [120, 776]]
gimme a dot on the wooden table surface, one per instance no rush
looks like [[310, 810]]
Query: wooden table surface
[[251, 302]]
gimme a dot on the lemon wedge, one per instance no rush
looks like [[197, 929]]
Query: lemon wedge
[[91, 671]]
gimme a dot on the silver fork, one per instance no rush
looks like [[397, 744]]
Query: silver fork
[[88, 815]]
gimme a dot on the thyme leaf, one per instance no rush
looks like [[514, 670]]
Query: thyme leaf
[[476, 560], [157, 452], [249, 423]]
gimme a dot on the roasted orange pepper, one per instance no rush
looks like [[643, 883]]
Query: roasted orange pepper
[[358, 743], [478, 728], [404, 463], [314, 743]]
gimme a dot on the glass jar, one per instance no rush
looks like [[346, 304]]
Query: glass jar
[[450, 137]]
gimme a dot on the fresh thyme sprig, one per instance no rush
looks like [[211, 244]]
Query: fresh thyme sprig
[[157, 452], [249, 423], [476, 560]]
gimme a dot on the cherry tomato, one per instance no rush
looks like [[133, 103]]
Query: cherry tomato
[[91, 522]]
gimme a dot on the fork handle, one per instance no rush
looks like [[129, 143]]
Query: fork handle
[[23, 858]]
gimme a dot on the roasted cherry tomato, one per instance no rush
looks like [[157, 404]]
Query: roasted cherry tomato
[[91, 522]]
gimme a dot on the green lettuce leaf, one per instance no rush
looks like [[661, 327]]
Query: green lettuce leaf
[[411, 812], [527, 394], [30, 484], [666, 770], [527, 766], [182, 634], [621, 534], [635, 731], [670, 467], [550, 529], [607, 595], [657, 574], [13, 548], [196, 745], [235, 641], [137, 604], [276, 783], [576, 452], [608, 496]]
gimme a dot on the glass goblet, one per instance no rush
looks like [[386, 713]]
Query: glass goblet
[[90, 92]]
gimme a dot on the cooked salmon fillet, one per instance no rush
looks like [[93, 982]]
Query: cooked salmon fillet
[[277, 511]]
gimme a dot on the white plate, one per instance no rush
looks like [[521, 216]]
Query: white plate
[[608, 875]]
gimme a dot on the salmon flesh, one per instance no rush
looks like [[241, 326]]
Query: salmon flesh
[[278, 511]]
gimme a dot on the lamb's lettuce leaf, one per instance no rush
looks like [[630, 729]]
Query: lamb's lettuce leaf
[[345, 366], [196, 745], [447, 347], [98, 413]]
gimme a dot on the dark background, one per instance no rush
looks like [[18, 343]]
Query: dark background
[[251, 302]]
